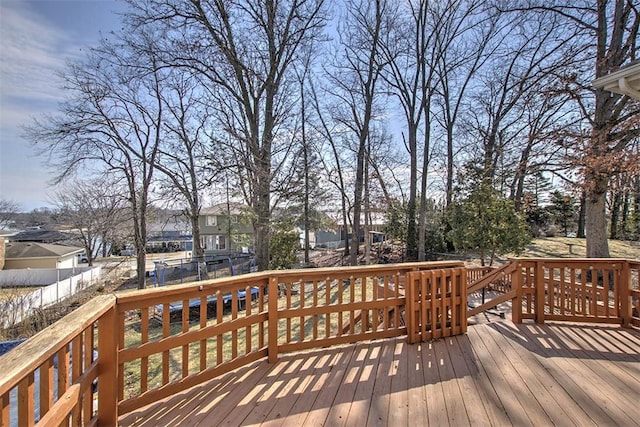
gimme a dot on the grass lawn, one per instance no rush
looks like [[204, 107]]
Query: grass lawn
[[300, 329], [558, 247]]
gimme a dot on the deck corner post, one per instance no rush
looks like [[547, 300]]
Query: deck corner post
[[108, 334], [624, 293], [273, 319]]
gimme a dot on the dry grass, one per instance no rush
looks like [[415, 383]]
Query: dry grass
[[7, 294], [558, 247]]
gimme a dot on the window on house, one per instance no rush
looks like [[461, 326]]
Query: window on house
[[214, 243], [212, 220], [221, 243]]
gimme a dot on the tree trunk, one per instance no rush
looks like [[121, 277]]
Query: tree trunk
[[367, 213], [413, 184], [581, 216], [262, 227], [616, 205], [422, 215], [596, 219], [357, 202]]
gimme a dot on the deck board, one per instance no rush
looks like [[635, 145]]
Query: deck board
[[496, 374]]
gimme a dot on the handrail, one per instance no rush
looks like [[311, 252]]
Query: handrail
[[486, 280]]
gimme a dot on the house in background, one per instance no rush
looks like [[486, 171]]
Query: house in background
[[21, 255], [44, 236], [225, 229], [169, 236]]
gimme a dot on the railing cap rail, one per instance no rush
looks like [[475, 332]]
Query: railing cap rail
[[253, 279]]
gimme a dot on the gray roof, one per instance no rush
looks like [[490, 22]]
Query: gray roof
[[42, 236], [223, 209], [21, 250]]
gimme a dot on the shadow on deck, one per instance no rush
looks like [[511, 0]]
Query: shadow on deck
[[499, 373]]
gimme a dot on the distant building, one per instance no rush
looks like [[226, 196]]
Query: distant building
[[225, 229], [43, 236], [169, 236], [20, 255]]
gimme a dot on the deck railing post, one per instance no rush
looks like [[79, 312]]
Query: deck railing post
[[273, 320], [539, 292], [108, 368], [624, 294], [462, 292], [410, 304], [516, 305]]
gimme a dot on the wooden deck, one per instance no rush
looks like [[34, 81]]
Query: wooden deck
[[498, 374]]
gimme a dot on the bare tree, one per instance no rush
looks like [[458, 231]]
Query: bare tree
[[333, 161], [112, 120], [517, 72], [356, 81], [95, 211], [8, 211], [409, 52], [182, 156], [608, 30], [244, 51]]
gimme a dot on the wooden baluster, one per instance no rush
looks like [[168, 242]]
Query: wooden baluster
[[247, 313], [315, 304], [623, 294], [186, 309], [219, 340], [166, 332], [26, 407], [204, 308], [109, 335], [301, 305], [5, 408], [273, 319]]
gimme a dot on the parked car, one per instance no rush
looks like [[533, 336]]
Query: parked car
[[127, 252], [82, 258]]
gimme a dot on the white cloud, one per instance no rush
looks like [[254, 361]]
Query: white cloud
[[33, 51]]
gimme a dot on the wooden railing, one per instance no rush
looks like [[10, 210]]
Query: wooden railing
[[121, 352], [579, 290], [51, 377], [634, 285]]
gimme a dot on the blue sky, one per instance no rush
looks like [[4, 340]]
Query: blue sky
[[37, 38]]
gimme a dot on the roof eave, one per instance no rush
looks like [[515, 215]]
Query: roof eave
[[625, 81]]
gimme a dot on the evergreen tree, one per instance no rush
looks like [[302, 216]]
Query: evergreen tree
[[487, 222], [563, 211]]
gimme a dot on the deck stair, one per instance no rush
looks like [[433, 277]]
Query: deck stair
[[498, 280]]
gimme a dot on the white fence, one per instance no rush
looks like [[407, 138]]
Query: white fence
[[64, 284]]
